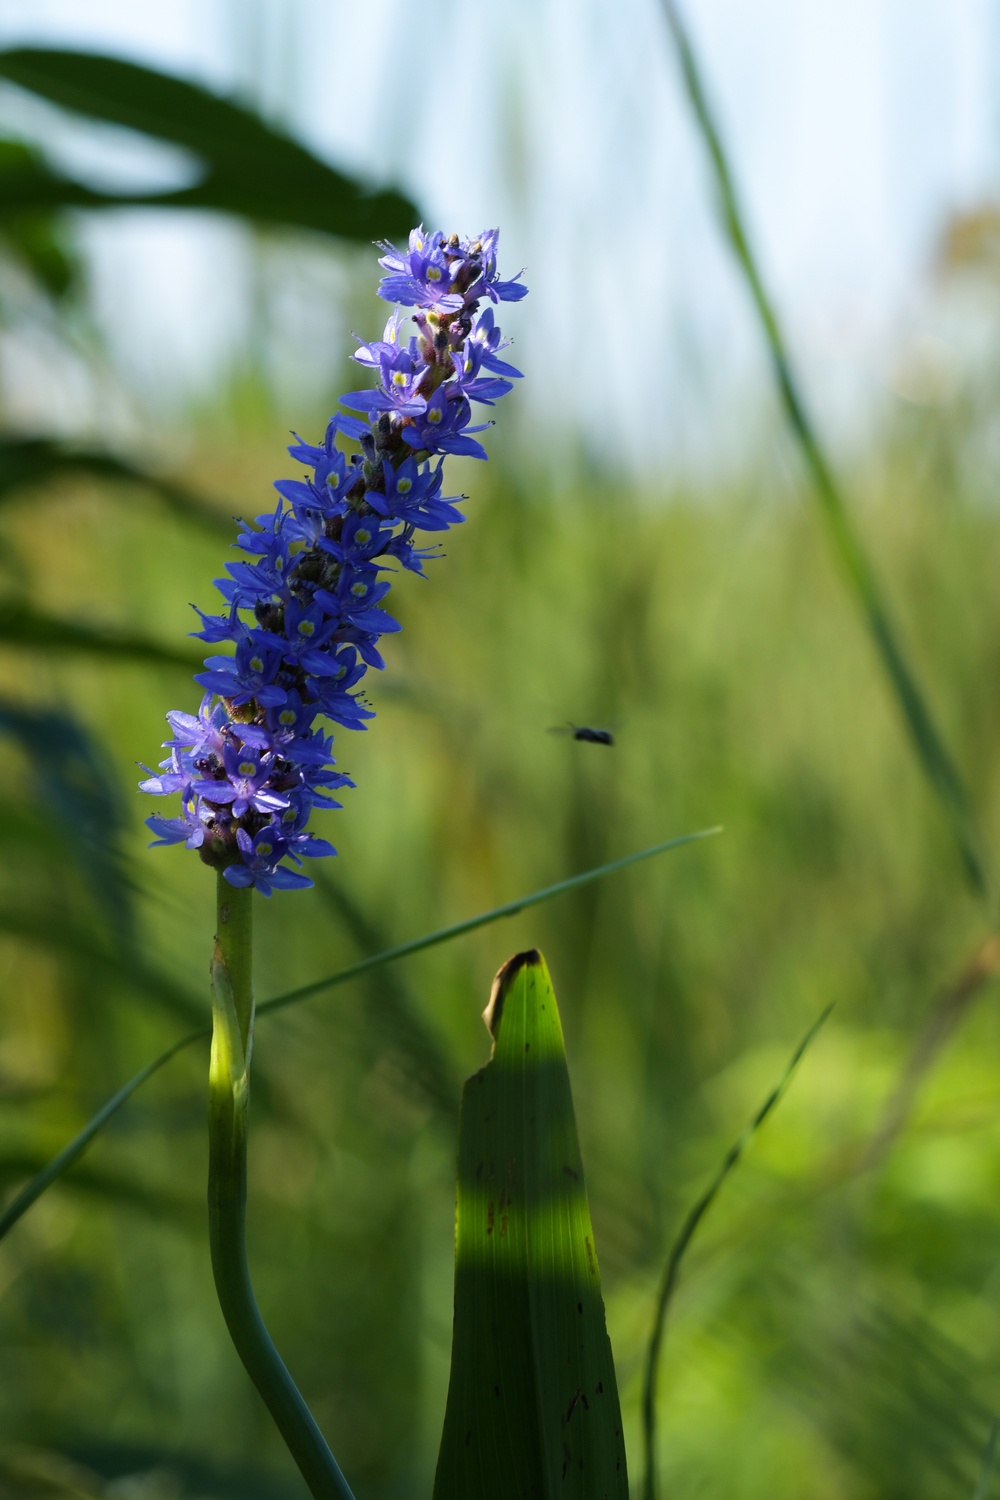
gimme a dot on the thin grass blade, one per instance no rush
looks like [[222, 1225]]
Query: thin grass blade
[[75, 1148], [934, 757], [680, 1246], [61, 1163]]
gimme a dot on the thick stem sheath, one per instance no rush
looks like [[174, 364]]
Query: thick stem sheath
[[229, 1097]]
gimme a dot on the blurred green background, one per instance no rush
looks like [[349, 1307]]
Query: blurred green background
[[837, 1331]]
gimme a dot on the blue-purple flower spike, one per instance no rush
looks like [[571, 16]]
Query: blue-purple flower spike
[[304, 613]]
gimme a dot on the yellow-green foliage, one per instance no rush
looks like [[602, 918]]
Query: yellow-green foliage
[[837, 1334]]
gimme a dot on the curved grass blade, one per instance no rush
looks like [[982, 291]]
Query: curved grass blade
[[75, 1148], [928, 743], [678, 1249], [532, 1400], [26, 461], [248, 168]]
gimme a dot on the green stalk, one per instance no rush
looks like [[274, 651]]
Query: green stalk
[[228, 1111]]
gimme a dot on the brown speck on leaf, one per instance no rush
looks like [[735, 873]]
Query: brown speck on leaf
[[572, 1172], [600, 1388], [489, 1218], [592, 1264], [579, 1307]]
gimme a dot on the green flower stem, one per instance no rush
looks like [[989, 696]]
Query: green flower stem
[[229, 1099]]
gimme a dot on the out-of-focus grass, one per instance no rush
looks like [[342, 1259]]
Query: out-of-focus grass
[[834, 1335]]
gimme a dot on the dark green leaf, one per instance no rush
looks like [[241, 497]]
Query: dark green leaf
[[248, 168], [533, 1401], [37, 240], [26, 461], [27, 628]]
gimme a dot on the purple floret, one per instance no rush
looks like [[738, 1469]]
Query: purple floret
[[304, 604]]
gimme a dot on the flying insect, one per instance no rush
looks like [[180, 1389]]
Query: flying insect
[[586, 735]]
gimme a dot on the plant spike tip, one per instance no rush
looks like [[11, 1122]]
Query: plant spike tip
[[304, 612]]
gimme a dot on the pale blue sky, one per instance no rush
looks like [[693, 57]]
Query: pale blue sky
[[856, 127]]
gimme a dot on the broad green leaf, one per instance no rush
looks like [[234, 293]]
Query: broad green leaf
[[31, 629], [533, 1406], [26, 461], [247, 167], [75, 1148]]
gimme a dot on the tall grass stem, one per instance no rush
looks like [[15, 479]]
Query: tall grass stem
[[931, 750]]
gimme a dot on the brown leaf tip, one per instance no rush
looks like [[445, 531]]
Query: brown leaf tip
[[504, 978]]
